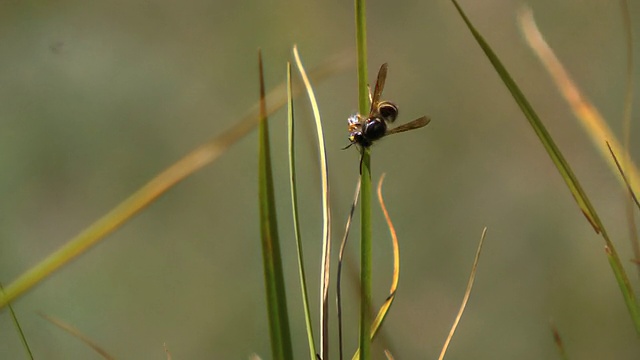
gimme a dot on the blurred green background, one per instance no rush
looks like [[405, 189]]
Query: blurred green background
[[99, 97]]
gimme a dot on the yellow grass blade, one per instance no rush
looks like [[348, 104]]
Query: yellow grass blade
[[585, 111], [467, 294], [384, 309], [142, 198]]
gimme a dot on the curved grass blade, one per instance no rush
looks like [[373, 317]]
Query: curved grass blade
[[78, 335], [366, 234], [272, 260], [296, 222], [467, 294], [343, 246], [326, 214], [564, 169], [185, 167], [589, 116], [23, 338], [384, 309]]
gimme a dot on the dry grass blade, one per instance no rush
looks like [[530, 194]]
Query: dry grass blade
[[467, 294], [384, 309], [326, 214], [589, 116], [142, 198], [343, 246], [77, 334], [387, 353]]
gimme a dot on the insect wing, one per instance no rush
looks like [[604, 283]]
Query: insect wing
[[415, 124], [377, 91]]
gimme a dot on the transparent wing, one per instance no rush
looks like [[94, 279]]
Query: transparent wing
[[415, 124], [377, 91]]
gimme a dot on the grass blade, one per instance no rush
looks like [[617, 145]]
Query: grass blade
[[185, 167], [343, 246], [386, 306], [326, 214], [78, 335], [296, 223], [565, 171], [536, 124], [589, 116], [14, 318], [467, 294], [272, 260], [365, 183], [384, 309], [624, 177], [626, 123]]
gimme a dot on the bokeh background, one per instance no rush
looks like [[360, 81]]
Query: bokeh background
[[96, 98]]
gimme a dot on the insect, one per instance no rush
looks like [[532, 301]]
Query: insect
[[364, 131]]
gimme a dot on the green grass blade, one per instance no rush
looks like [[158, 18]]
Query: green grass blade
[[538, 127], [326, 214], [365, 183], [564, 169], [361, 48], [272, 260], [588, 115], [632, 194], [185, 167], [14, 318], [296, 223]]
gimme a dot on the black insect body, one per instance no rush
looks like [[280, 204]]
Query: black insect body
[[364, 131]]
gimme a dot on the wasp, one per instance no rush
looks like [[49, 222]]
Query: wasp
[[363, 131]]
